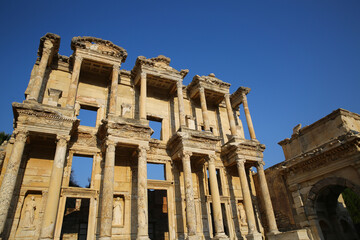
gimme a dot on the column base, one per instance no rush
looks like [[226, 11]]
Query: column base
[[143, 238], [221, 236], [194, 237], [254, 236]]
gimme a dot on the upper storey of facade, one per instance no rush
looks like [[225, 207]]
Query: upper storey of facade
[[153, 91]]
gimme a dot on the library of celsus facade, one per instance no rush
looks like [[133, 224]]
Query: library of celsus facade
[[207, 189]]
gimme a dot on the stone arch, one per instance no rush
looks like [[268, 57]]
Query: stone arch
[[322, 201]]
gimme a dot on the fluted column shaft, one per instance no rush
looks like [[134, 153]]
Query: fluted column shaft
[[230, 114], [74, 82], [9, 180], [216, 203], [189, 195], [142, 107], [248, 117], [39, 78], [204, 109], [142, 203], [181, 103], [107, 192], [265, 195], [53, 196], [114, 88], [249, 210]]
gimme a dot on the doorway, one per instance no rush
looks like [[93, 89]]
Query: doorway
[[158, 214]]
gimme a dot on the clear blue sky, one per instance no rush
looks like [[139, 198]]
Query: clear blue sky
[[300, 58]]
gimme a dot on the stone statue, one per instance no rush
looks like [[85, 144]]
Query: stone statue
[[29, 216], [117, 212], [242, 215]]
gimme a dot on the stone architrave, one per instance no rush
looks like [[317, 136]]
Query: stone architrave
[[9, 180], [142, 203], [52, 202], [216, 204], [108, 192], [189, 195]]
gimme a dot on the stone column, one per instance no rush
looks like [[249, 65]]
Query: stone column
[[204, 109], [46, 52], [181, 103], [249, 210], [53, 196], [142, 203], [216, 204], [107, 192], [230, 115], [189, 195], [248, 117], [9, 180], [71, 96], [265, 195], [114, 88], [142, 107]]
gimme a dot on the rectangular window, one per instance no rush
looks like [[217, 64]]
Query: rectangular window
[[156, 125], [88, 116], [156, 171], [219, 181], [81, 169]]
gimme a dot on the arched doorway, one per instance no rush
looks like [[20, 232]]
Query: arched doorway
[[326, 205]]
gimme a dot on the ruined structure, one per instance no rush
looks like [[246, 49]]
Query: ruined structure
[[207, 191], [321, 161]]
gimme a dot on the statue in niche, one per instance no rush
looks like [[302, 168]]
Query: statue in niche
[[242, 214], [117, 212], [29, 215]]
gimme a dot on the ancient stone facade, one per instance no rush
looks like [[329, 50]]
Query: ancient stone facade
[[321, 161], [207, 192]]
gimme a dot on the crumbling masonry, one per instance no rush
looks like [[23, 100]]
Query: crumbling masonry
[[208, 189]]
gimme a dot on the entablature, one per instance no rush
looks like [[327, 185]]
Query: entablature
[[238, 96]]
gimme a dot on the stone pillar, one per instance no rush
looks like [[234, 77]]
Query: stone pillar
[[181, 103], [53, 196], [142, 107], [265, 195], [142, 203], [46, 53], [204, 109], [9, 180], [71, 96], [114, 88], [248, 117], [216, 204], [189, 195], [107, 192], [230, 115], [249, 210]]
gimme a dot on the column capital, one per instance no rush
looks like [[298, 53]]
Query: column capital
[[240, 162], [186, 154], [62, 140], [227, 95], [21, 135], [46, 50], [211, 159], [142, 150], [110, 145], [260, 165], [179, 83], [116, 66], [201, 89], [78, 58]]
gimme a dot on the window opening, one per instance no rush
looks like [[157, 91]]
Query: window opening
[[156, 171], [158, 225], [225, 222], [219, 181], [76, 218], [156, 126], [88, 116], [81, 169], [208, 181]]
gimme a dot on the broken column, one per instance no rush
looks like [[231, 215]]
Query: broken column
[[189, 195], [9, 180], [142, 203], [107, 192], [52, 202]]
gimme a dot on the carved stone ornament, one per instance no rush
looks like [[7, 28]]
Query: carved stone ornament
[[21, 135]]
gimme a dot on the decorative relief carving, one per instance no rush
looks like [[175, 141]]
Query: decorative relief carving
[[118, 212]]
